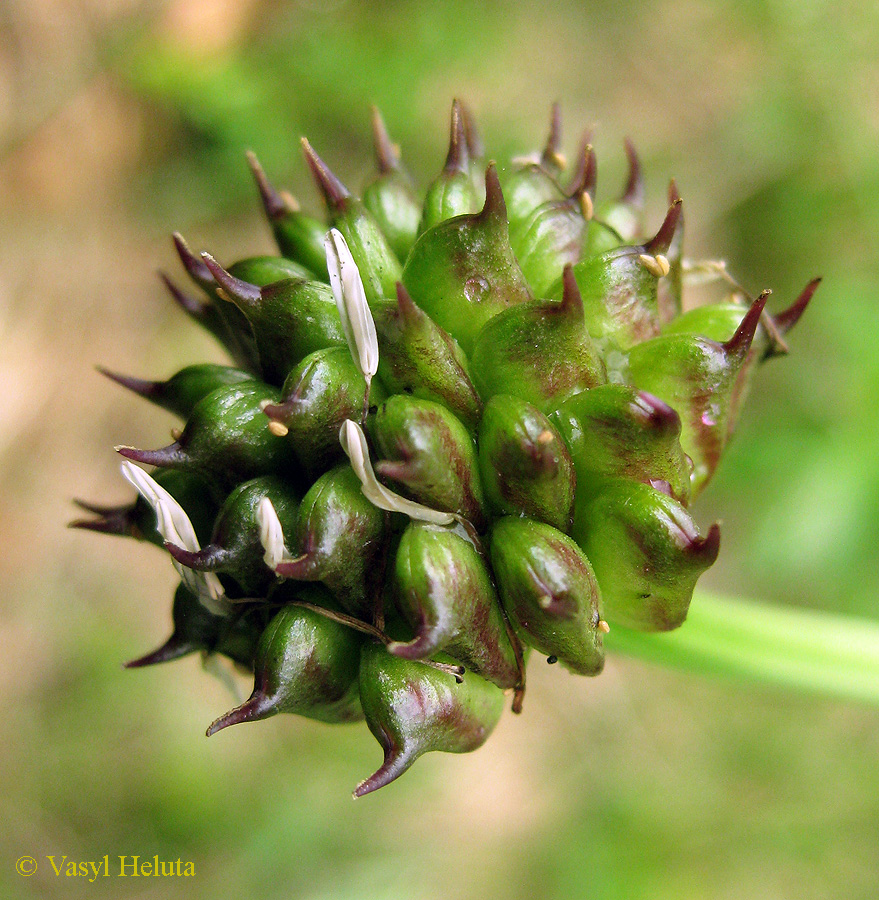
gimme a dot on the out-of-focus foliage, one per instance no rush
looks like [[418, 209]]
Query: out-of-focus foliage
[[123, 121]]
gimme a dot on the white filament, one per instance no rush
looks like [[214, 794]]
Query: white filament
[[353, 442], [350, 296], [271, 536], [175, 527]]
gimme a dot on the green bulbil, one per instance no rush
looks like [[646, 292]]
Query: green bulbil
[[647, 554], [463, 272], [235, 548], [617, 431], [339, 534], [288, 319], [551, 237], [263, 270], [619, 290], [525, 465], [225, 440], [182, 391], [305, 664], [319, 394], [425, 449], [697, 377], [443, 589], [299, 237], [549, 591], [379, 267], [390, 196], [417, 357], [538, 351], [452, 192], [412, 709], [195, 630]]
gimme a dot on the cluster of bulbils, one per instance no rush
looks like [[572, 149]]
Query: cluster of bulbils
[[455, 429]]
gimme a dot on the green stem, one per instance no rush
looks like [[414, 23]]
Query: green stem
[[807, 650]]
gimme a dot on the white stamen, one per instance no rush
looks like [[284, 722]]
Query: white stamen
[[350, 296], [176, 528], [271, 535], [353, 442]]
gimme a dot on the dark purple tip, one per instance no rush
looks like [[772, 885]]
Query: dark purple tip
[[572, 299], [551, 152], [169, 457], [495, 205], [586, 176], [195, 268], [209, 559], [475, 147], [740, 342], [397, 761], [258, 706], [110, 519], [424, 644], [708, 548], [386, 156], [661, 241], [241, 292], [673, 193], [458, 157], [273, 203], [143, 388], [334, 192], [173, 648], [191, 305], [657, 413], [300, 569], [408, 308], [633, 193], [786, 320]]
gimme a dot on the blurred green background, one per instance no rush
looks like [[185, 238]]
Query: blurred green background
[[121, 121]]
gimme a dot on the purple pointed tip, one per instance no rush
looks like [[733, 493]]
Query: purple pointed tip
[[658, 413], [300, 569], [495, 205], [708, 547], [334, 192], [170, 456], [586, 176], [196, 308], [108, 523], [396, 762], [195, 268], [143, 388], [633, 193], [273, 203], [424, 644], [661, 241], [740, 342], [408, 308], [241, 292], [458, 158], [173, 648], [475, 147], [673, 193], [209, 559], [386, 156], [786, 320], [572, 299], [258, 706], [551, 152]]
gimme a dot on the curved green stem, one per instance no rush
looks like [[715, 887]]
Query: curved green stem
[[807, 650]]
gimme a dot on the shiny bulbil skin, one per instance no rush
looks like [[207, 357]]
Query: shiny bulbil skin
[[455, 424]]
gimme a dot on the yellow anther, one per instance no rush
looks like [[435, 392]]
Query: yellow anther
[[278, 429], [586, 206]]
